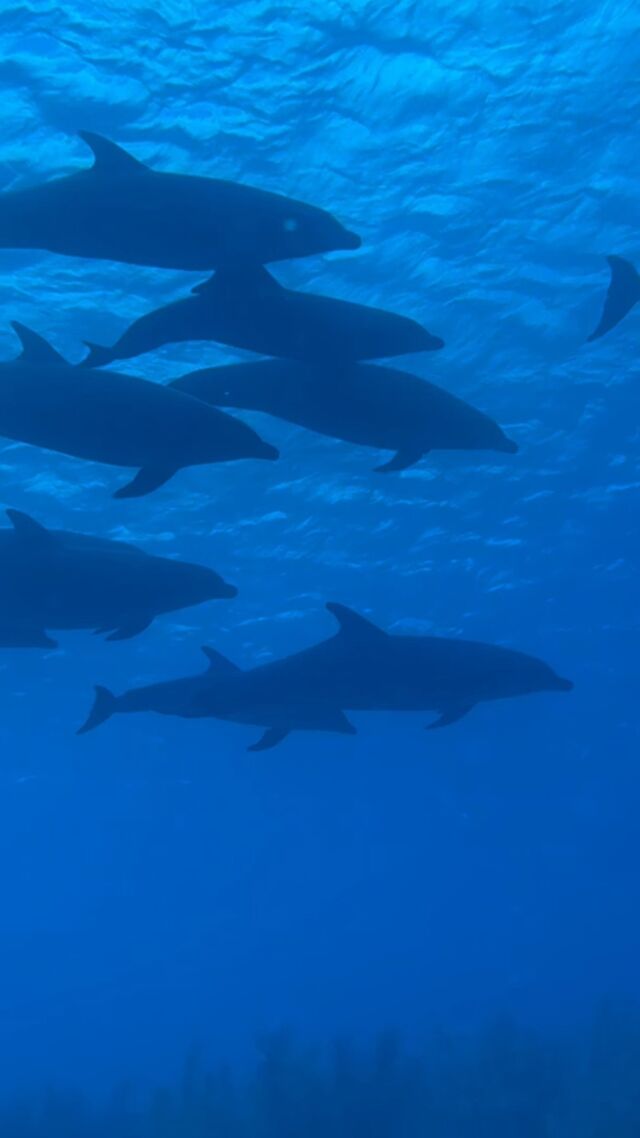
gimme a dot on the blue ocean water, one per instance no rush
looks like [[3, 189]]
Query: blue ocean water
[[161, 885]]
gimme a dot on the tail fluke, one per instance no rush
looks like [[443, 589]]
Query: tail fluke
[[622, 294], [103, 708]]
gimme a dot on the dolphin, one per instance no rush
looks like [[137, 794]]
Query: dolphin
[[248, 308], [360, 668], [56, 579], [120, 210], [622, 294], [177, 697], [359, 403], [113, 418]]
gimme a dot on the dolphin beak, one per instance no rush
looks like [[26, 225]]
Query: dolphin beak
[[268, 452], [564, 685], [351, 240], [508, 446], [227, 592]]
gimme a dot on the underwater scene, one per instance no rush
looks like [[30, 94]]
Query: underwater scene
[[319, 555]]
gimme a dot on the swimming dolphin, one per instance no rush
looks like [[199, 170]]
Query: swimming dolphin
[[361, 668], [117, 419], [177, 697], [55, 579], [359, 403], [622, 294], [120, 210], [247, 308]]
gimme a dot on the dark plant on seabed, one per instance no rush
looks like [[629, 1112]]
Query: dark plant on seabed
[[505, 1083]]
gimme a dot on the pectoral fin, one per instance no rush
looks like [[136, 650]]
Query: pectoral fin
[[130, 627], [451, 716], [400, 461], [147, 479], [98, 355], [271, 738]]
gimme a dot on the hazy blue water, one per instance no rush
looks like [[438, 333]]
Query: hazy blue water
[[158, 882]]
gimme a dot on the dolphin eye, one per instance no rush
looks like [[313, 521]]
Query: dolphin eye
[[290, 224]]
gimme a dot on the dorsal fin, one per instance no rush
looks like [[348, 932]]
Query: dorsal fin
[[35, 349], [219, 663], [353, 624], [110, 158], [248, 278], [28, 529]]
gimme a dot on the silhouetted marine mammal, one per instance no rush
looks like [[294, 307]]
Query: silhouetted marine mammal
[[113, 418], [248, 308], [359, 403], [361, 668], [55, 579], [120, 210], [622, 294]]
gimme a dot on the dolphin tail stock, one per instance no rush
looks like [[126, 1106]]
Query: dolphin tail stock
[[98, 355], [104, 707], [400, 461], [622, 294], [452, 715], [148, 479]]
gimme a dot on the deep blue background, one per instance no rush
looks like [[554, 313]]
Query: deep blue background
[[158, 883]]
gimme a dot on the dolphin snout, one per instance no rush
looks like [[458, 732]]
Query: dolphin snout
[[564, 685], [433, 343], [507, 446], [351, 240], [265, 450], [226, 592]]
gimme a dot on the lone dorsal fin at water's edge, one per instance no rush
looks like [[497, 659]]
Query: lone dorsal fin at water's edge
[[622, 294], [35, 349], [109, 158]]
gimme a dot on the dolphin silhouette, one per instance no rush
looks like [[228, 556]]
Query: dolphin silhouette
[[113, 418], [56, 579], [359, 403], [247, 308], [622, 294], [361, 668], [120, 210]]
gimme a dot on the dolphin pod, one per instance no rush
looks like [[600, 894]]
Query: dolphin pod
[[623, 293], [360, 668], [120, 210], [116, 419], [360, 403], [318, 378], [55, 579], [249, 309]]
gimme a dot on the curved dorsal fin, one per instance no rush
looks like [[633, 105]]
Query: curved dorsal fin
[[28, 529], [218, 662], [249, 278], [35, 349], [109, 157], [353, 624]]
